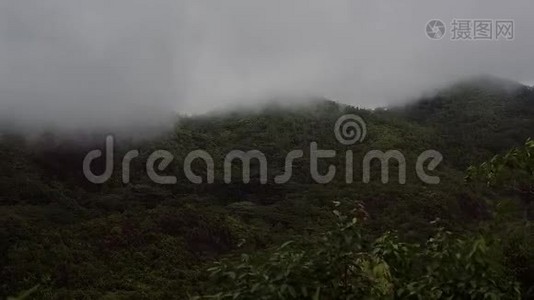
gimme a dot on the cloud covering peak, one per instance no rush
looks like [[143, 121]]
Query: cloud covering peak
[[108, 63]]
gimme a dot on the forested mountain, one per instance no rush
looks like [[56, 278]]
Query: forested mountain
[[63, 237], [477, 118]]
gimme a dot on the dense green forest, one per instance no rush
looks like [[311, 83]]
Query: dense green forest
[[468, 237]]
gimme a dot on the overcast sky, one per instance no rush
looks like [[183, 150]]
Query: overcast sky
[[106, 62]]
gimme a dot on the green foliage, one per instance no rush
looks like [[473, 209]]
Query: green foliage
[[335, 267], [344, 265], [513, 170]]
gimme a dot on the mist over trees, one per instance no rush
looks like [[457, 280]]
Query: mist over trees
[[63, 237]]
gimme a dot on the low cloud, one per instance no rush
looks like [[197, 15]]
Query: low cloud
[[99, 64]]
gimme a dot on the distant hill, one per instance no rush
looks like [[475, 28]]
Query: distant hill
[[476, 118]]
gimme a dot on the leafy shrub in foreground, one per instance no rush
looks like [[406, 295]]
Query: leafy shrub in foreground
[[343, 264]]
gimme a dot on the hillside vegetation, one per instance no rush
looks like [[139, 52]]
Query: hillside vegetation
[[63, 237]]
